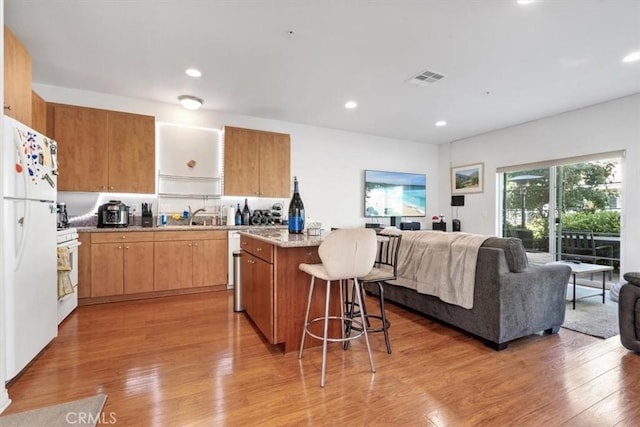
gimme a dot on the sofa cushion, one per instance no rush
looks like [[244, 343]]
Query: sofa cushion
[[633, 278], [513, 250]]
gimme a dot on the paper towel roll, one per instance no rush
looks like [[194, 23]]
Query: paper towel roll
[[231, 216]]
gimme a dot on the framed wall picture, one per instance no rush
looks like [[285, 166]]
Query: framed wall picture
[[467, 179]]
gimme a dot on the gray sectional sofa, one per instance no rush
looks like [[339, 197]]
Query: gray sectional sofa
[[512, 298]]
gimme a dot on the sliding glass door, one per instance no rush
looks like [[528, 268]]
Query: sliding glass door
[[568, 210]]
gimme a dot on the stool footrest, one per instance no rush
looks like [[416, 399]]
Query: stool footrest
[[358, 328]]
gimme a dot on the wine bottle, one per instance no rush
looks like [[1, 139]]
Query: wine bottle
[[246, 214], [296, 210], [238, 219]]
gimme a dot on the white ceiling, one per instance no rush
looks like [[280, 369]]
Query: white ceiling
[[503, 63]]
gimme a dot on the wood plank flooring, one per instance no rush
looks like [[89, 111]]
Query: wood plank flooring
[[191, 361]]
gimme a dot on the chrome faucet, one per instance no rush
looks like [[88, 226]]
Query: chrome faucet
[[192, 214]]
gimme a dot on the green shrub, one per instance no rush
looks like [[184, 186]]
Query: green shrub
[[598, 222]]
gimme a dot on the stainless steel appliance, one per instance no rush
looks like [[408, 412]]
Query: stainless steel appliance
[[113, 214], [63, 217]]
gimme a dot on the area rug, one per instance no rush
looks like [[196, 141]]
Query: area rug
[[591, 317], [83, 412]]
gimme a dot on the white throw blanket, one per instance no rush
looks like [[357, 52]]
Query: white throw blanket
[[439, 264]]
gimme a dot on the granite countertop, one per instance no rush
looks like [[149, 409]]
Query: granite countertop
[[94, 229], [282, 238]]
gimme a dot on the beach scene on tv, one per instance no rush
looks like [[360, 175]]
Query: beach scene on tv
[[394, 194]]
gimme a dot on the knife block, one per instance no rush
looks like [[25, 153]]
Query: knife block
[[147, 220]]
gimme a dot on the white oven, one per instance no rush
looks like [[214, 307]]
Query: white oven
[[68, 238]]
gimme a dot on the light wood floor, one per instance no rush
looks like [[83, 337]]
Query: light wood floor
[[191, 360]]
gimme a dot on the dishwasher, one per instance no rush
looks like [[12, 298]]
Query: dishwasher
[[233, 245]]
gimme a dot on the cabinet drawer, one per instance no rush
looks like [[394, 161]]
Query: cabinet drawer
[[122, 236], [258, 248]]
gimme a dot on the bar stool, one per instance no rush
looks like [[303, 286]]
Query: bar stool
[[345, 254], [385, 269]]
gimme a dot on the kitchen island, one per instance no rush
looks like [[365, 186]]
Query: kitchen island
[[275, 291]]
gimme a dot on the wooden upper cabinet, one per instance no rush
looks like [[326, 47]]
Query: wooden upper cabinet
[[38, 113], [103, 151], [82, 137], [17, 79], [131, 153], [256, 163], [275, 164], [241, 161]]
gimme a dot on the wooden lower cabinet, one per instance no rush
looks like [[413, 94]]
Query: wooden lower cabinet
[[190, 259], [210, 261], [257, 293], [275, 291], [121, 263]]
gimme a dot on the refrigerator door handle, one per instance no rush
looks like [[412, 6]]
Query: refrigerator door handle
[[21, 232]]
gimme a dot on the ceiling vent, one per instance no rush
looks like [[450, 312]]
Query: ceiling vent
[[425, 78]]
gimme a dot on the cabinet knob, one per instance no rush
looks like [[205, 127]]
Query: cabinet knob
[[189, 244], [111, 187], [126, 247], [124, 237], [7, 107], [258, 249], [195, 244], [103, 187], [119, 247]]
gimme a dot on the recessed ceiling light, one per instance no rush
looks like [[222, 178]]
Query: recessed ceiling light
[[192, 72], [632, 57], [441, 123], [190, 102], [351, 105], [523, 2]]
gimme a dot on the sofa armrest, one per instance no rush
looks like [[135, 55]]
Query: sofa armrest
[[629, 316], [522, 303]]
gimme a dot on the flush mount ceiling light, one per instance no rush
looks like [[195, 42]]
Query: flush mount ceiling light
[[632, 57], [441, 123], [351, 105], [525, 1], [190, 102], [192, 72]]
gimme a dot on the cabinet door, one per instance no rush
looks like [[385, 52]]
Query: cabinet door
[[107, 269], [172, 265], [17, 79], [131, 153], [84, 265], [275, 161], [138, 267], [38, 113], [257, 293], [209, 262], [81, 134], [241, 162]]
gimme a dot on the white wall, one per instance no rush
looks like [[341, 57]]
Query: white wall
[[609, 126], [329, 163]]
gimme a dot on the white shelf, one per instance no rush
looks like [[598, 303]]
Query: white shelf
[[191, 187], [189, 196]]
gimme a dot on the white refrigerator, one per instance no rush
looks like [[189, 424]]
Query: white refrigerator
[[29, 235]]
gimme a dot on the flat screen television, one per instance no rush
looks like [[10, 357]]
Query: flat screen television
[[388, 194]]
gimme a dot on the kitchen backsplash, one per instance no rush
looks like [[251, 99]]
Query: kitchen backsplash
[[83, 207]]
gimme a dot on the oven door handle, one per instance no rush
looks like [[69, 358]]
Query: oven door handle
[[70, 245]]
